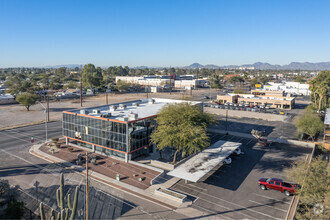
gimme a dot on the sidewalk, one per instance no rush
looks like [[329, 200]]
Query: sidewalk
[[147, 194]]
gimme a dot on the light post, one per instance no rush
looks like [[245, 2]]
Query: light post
[[45, 117]]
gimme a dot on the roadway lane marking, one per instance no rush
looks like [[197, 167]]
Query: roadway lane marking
[[35, 165], [268, 206], [15, 137], [26, 134], [267, 197], [203, 189]]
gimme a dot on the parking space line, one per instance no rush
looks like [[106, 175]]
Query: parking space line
[[203, 189], [212, 212], [249, 142], [267, 197], [231, 138], [268, 206], [276, 174], [234, 204]]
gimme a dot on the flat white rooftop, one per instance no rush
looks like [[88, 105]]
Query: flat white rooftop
[[327, 117], [198, 166], [144, 109]]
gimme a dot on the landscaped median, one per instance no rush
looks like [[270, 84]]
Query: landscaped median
[[129, 177]]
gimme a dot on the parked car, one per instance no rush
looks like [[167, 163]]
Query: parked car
[[206, 97], [227, 161], [277, 184], [237, 151]]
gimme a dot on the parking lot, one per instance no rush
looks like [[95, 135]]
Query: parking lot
[[249, 108], [232, 191]]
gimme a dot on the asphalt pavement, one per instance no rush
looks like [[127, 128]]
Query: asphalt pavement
[[40, 179]]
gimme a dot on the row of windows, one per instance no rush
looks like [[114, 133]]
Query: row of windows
[[95, 123], [116, 144]]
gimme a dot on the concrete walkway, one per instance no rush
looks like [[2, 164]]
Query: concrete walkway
[[148, 194]]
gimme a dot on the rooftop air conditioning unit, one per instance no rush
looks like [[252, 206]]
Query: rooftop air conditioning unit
[[96, 111], [132, 116], [113, 108], [135, 104], [122, 106], [123, 119], [84, 112], [151, 101]]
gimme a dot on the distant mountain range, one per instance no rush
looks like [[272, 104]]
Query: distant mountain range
[[257, 65], [267, 66], [69, 66]]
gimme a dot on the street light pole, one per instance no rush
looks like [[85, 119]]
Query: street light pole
[[45, 118]]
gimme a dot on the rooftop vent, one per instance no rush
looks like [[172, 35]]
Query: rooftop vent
[[96, 111], [151, 101], [84, 112], [113, 108], [107, 115], [122, 106], [135, 104]]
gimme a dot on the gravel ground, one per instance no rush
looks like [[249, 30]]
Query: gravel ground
[[16, 114]]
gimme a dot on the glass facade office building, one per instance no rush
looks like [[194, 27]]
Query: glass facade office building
[[109, 136], [112, 132]]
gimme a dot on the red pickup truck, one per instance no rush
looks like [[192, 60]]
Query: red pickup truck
[[277, 184]]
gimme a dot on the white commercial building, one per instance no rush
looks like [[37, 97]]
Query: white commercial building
[[293, 88], [147, 80]]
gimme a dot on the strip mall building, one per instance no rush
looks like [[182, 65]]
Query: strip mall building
[[121, 129]]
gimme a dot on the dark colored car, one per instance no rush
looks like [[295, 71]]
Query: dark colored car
[[277, 184]]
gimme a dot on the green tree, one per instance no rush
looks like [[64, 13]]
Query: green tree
[[254, 81], [215, 81], [299, 79], [92, 77], [182, 127], [319, 88], [72, 85], [314, 179], [17, 84], [14, 210], [27, 99], [309, 123], [122, 86]]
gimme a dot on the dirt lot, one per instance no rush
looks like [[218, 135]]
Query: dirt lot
[[16, 114]]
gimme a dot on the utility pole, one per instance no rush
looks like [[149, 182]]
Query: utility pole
[[197, 82], [45, 119], [170, 81], [47, 108], [227, 122], [86, 185], [190, 90], [80, 85], [106, 97]]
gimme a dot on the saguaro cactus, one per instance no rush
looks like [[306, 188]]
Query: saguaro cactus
[[64, 212], [42, 211], [73, 207]]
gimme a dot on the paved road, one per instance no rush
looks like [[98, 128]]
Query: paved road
[[27, 171]]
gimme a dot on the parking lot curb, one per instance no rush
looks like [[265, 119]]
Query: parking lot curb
[[25, 125]]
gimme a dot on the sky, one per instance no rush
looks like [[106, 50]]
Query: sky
[[163, 33]]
